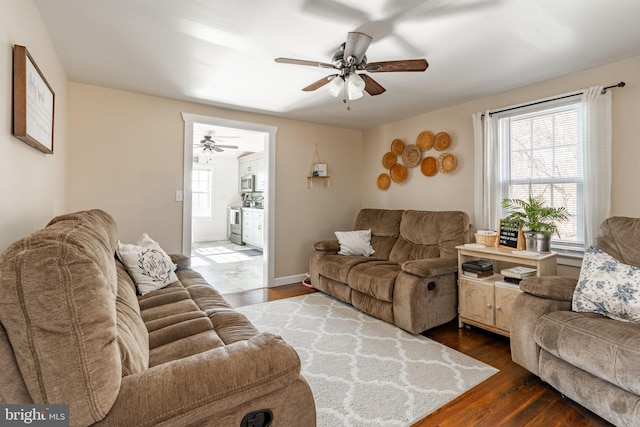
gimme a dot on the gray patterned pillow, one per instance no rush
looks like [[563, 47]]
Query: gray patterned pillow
[[148, 265], [607, 286]]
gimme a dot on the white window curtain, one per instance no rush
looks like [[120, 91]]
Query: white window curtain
[[596, 107], [487, 171]]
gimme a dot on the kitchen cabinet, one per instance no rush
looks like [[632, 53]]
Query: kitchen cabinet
[[487, 303], [253, 227], [253, 164]]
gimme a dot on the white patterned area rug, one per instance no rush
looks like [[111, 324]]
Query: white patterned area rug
[[363, 371]]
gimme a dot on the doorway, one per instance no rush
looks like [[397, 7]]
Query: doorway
[[231, 266]]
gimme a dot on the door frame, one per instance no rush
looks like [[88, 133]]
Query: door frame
[[270, 161]]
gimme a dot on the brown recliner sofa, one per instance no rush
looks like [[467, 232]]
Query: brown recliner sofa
[[410, 280], [588, 357], [73, 331]]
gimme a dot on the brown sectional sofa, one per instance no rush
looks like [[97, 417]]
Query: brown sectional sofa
[[590, 358], [73, 330], [410, 280]]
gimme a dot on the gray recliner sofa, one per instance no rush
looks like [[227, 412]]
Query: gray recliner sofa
[[74, 331], [410, 280], [590, 358]]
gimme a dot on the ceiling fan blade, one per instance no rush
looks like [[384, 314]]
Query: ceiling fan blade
[[356, 46], [401, 65], [216, 148], [318, 84], [371, 86], [233, 147], [303, 62]]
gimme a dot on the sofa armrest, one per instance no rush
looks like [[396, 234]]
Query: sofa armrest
[[327, 246], [182, 261], [529, 308], [198, 387], [558, 288], [430, 266]]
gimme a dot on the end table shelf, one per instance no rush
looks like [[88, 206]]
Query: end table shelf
[[487, 303]]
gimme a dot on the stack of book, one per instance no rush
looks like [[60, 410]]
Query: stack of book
[[516, 274], [480, 268]]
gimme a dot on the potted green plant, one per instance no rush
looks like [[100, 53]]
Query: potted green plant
[[537, 220]]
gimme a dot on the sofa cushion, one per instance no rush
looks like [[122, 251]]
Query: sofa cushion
[[607, 286], [133, 338], [148, 264], [58, 308], [608, 349], [375, 278], [337, 267], [356, 242], [619, 236], [385, 228], [425, 234]]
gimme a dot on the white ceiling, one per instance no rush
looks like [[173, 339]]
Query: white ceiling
[[221, 52]]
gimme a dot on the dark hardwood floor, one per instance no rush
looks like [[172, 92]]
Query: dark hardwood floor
[[512, 397]]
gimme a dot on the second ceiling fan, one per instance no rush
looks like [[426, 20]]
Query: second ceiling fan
[[348, 60], [209, 144]]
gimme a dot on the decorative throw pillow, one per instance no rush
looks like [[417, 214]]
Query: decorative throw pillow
[[148, 265], [355, 242], [608, 287]]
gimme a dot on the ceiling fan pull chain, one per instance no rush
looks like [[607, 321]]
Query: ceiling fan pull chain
[[345, 96]]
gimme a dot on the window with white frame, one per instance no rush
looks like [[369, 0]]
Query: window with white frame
[[202, 192], [557, 149], [541, 154]]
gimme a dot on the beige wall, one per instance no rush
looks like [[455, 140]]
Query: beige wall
[[33, 183], [126, 157]]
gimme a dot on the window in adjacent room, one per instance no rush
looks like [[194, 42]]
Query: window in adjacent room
[[202, 192]]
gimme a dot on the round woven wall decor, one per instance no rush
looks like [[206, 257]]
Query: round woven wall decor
[[442, 141], [424, 141], [397, 147], [389, 159], [447, 163], [383, 181], [411, 156], [398, 173], [428, 166]]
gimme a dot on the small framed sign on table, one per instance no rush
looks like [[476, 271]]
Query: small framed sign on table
[[33, 102], [510, 239]]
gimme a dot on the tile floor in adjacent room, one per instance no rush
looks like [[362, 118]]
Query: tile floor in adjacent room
[[228, 267]]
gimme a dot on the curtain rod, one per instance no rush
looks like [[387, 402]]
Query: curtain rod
[[604, 90]]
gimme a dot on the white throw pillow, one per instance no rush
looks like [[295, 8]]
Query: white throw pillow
[[607, 286], [355, 242], [148, 265]]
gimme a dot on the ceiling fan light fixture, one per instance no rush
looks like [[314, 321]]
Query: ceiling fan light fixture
[[355, 86], [335, 86], [207, 154]]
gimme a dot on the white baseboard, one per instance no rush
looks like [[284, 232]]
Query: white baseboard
[[288, 280]]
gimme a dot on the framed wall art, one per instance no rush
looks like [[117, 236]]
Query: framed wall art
[[33, 102], [319, 169]]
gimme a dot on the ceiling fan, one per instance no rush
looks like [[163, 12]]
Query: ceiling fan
[[348, 60], [209, 144]]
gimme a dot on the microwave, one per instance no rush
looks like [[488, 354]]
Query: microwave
[[247, 183]]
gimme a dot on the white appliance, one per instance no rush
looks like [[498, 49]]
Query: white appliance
[[247, 183]]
